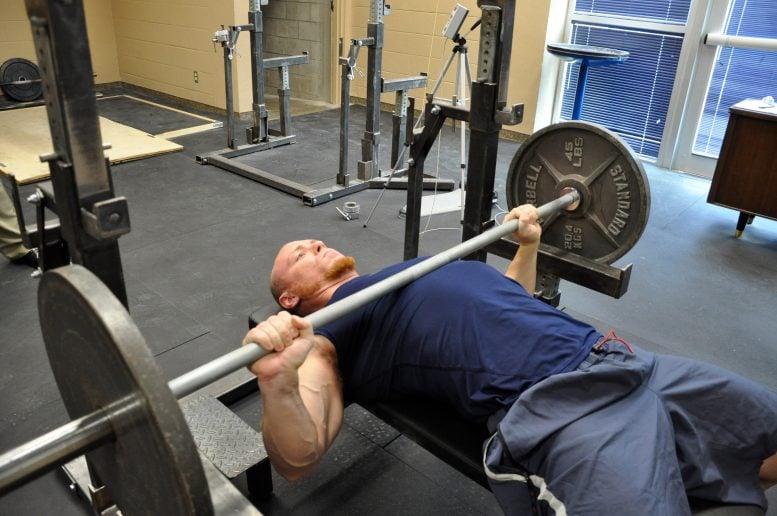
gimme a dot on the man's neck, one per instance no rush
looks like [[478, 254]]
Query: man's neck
[[324, 295]]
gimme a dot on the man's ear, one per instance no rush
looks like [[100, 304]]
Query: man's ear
[[288, 300]]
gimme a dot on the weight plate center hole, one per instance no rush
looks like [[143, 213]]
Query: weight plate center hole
[[574, 205]]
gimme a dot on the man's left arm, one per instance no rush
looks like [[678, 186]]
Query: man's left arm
[[523, 267]]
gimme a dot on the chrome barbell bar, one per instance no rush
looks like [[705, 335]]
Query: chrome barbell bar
[[73, 439]]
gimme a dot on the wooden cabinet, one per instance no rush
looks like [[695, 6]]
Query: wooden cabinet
[[746, 174]]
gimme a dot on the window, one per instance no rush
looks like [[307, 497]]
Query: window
[[630, 98], [739, 73], [661, 11]]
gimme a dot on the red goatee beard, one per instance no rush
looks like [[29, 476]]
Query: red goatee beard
[[341, 267]]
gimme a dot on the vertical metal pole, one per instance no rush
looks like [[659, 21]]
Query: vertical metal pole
[[345, 111], [461, 83], [483, 143], [409, 122], [582, 80], [258, 132], [80, 173], [422, 144], [229, 88], [284, 100], [399, 129], [371, 139], [505, 37], [484, 130]]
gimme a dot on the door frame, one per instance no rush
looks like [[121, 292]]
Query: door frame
[[689, 93]]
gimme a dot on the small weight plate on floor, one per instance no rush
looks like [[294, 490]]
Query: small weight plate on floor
[[613, 186], [20, 80], [101, 361]]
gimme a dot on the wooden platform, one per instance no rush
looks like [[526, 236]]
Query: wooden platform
[[26, 136]]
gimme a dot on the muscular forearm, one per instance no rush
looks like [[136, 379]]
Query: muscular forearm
[[291, 436], [301, 392], [523, 267]]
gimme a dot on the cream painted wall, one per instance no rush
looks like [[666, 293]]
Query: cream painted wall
[[16, 36], [15, 33], [102, 40], [413, 44], [161, 43]]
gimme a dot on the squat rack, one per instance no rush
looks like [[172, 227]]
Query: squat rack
[[369, 174], [487, 114], [258, 135], [91, 218]]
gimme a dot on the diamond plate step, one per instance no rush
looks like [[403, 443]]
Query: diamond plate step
[[228, 441]]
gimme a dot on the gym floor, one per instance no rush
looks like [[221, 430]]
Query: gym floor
[[196, 265]]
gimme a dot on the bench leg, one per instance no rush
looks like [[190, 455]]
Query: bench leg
[[259, 480]]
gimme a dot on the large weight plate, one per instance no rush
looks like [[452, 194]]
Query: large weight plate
[[20, 80], [614, 190], [100, 359]]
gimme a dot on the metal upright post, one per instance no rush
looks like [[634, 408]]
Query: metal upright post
[[347, 63], [422, 144], [228, 54], [258, 132], [284, 101], [91, 217], [370, 167], [484, 123], [463, 78], [402, 125]]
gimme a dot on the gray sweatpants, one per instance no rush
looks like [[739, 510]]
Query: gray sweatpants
[[633, 433]]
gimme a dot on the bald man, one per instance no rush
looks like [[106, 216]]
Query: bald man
[[582, 422]]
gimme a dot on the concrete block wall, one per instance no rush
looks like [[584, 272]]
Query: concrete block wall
[[293, 27]]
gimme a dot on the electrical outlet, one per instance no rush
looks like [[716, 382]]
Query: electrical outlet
[[196, 77]]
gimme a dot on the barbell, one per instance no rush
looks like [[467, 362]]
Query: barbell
[[126, 419]]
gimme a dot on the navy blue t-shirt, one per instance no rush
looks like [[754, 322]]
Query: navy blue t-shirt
[[463, 334]]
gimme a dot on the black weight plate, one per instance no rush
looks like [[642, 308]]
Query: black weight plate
[[100, 359], [615, 194], [20, 80]]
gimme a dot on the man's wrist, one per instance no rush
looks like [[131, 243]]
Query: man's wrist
[[279, 381]]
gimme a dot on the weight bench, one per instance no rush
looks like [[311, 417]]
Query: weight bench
[[228, 442], [458, 442]]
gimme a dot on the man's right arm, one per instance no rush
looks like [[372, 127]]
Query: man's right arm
[[523, 267], [301, 392]]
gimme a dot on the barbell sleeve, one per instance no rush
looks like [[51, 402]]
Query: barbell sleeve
[[248, 354], [34, 458]]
